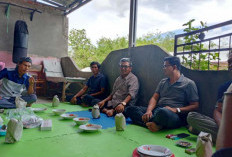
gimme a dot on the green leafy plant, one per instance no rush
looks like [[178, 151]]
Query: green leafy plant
[[200, 61]]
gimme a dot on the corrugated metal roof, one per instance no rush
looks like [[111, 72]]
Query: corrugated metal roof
[[67, 6]]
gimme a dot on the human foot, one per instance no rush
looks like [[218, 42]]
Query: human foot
[[110, 112], [153, 127], [104, 110]]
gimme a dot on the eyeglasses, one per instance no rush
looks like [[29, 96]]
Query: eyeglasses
[[165, 66], [124, 66]]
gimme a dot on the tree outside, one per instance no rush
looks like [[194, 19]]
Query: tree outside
[[83, 51]]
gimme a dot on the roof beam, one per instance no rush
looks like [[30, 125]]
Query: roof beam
[[74, 2], [35, 10], [77, 6], [58, 6], [53, 3]]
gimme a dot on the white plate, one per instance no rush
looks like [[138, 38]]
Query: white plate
[[38, 109], [68, 116], [90, 127], [154, 150]]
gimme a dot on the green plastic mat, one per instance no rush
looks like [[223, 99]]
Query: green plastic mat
[[66, 141]]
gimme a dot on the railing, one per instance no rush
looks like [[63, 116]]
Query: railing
[[196, 55]]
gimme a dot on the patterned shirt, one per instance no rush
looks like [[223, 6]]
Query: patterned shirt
[[123, 87]]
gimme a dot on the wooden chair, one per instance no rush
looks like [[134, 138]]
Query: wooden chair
[[38, 73]]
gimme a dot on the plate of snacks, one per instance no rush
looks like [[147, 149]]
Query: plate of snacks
[[68, 116]]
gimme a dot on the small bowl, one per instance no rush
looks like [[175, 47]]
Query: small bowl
[[81, 120], [58, 111], [36, 110]]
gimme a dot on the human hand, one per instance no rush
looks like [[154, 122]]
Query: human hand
[[119, 108], [147, 116], [171, 109], [101, 104], [73, 100], [31, 81]]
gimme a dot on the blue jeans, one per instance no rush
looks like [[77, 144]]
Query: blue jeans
[[10, 103], [161, 116]]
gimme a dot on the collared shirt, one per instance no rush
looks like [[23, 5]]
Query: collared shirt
[[179, 94], [96, 83], [123, 87], [12, 85]]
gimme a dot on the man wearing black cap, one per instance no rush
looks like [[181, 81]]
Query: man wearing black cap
[[17, 83]]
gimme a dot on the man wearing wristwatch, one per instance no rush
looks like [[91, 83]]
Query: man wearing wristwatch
[[125, 90], [17, 83], [174, 97]]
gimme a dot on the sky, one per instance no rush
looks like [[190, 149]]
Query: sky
[[110, 18]]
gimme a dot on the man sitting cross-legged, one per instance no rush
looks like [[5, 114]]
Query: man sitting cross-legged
[[17, 83], [174, 97], [124, 92], [95, 88]]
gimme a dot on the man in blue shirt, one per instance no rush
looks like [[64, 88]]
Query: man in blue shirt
[[96, 86], [17, 83]]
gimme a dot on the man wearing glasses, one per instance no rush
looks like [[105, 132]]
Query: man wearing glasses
[[174, 97], [125, 90], [17, 83]]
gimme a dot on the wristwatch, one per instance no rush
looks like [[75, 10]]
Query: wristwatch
[[123, 103], [178, 110]]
